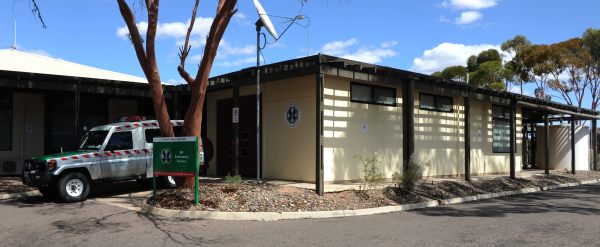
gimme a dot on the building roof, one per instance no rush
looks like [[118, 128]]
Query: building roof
[[370, 72], [20, 61]]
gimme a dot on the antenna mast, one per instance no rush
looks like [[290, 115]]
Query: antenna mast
[[14, 46]]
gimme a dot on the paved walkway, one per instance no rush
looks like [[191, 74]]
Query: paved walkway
[[567, 217]]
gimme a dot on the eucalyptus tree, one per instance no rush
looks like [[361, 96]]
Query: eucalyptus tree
[[146, 55]]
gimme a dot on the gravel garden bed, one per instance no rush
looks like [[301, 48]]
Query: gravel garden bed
[[13, 185], [249, 197]]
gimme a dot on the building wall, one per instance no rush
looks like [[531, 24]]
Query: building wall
[[287, 153], [352, 129], [483, 160], [121, 108]]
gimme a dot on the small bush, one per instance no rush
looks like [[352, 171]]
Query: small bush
[[371, 175], [233, 181], [409, 178]]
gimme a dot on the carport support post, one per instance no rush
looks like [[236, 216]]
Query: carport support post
[[594, 146], [408, 103], [467, 139], [572, 144], [319, 184], [236, 132], [546, 147], [513, 113]]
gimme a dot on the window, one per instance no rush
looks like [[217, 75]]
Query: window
[[93, 140], [370, 94], [500, 129], [6, 116], [120, 141], [435, 103], [151, 133]]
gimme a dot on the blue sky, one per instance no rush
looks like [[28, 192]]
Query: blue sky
[[422, 36]]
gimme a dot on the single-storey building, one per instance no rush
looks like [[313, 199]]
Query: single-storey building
[[318, 112], [315, 114]]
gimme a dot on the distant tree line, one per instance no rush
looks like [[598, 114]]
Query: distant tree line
[[567, 70]]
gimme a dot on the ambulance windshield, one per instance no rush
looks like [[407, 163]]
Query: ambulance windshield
[[93, 140]]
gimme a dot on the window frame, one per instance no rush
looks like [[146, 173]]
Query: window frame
[[10, 109], [502, 117], [435, 103], [372, 88]]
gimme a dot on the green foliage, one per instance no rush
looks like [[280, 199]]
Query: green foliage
[[591, 40], [408, 179], [233, 181], [488, 74], [371, 174], [472, 63], [491, 55], [456, 73], [437, 74]]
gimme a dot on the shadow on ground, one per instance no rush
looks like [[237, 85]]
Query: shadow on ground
[[561, 200]]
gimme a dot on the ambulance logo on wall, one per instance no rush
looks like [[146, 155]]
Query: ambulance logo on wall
[[292, 115], [165, 156]]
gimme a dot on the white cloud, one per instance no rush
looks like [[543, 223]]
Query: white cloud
[[337, 48], [389, 44], [241, 18], [237, 62], [447, 54], [468, 17], [469, 4], [176, 30], [444, 19], [367, 54], [226, 49]]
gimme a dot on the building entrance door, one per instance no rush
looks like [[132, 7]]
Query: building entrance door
[[225, 140]]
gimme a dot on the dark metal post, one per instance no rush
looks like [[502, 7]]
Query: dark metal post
[[408, 116], [546, 147], [236, 131], [513, 138], [594, 146], [320, 186], [467, 139], [259, 25], [572, 144]]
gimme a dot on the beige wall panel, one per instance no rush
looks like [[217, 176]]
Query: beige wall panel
[[439, 139], [289, 153], [483, 160], [358, 129]]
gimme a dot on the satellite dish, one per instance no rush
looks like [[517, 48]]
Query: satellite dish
[[265, 19]]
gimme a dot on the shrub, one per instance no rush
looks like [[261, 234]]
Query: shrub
[[371, 175], [233, 181]]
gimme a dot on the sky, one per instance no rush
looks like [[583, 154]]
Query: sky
[[422, 36]]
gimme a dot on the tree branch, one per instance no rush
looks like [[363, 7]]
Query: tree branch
[[185, 49], [134, 33]]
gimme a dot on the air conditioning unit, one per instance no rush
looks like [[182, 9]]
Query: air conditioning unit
[[11, 168]]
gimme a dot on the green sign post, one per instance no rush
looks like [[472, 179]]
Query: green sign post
[[176, 157]]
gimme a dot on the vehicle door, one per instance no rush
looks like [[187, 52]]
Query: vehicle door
[[119, 144]]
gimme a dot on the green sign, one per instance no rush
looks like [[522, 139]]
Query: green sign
[[175, 156], [178, 157]]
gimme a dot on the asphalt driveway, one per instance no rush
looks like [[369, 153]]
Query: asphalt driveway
[[565, 217]]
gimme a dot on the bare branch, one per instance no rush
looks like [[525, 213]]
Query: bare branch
[[185, 49], [134, 33]]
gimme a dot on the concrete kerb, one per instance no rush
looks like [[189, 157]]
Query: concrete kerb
[[272, 216], [20, 195]]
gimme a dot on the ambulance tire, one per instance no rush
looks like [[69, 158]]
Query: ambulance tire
[[167, 182], [73, 187]]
